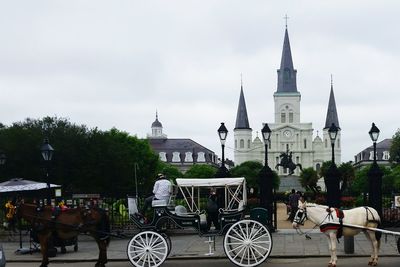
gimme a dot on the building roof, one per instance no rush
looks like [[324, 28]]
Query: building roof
[[156, 123], [331, 115], [177, 144], [242, 121], [286, 73]]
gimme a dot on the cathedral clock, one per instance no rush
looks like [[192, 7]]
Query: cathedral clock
[[287, 133]]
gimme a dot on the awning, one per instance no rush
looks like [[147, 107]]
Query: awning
[[20, 184]]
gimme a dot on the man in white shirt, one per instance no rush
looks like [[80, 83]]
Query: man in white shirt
[[161, 190]]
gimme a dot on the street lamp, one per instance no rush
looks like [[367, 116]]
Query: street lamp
[[47, 153], [265, 180], [375, 176], [332, 179], [222, 133]]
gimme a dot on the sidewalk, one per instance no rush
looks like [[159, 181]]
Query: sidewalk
[[286, 243]]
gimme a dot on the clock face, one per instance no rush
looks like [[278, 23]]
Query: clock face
[[287, 133]]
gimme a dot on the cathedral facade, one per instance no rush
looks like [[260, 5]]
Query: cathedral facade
[[288, 132]]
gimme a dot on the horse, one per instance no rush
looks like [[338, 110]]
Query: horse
[[331, 220], [66, 225]]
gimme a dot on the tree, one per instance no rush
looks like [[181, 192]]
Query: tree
[[347, 174], [201, 171], [85, 160], [309, 178], [251, 170], [395, 148], [170, 171]]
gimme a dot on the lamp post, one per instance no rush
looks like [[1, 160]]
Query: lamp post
[[47, 153], [222, 133], [265, 180], [332, 179], [375, 176]]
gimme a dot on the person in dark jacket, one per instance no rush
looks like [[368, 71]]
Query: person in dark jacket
[[212, 210]]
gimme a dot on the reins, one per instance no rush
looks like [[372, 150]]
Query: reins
[[300, 232]]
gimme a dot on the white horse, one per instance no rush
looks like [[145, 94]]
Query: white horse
[[328, 219]]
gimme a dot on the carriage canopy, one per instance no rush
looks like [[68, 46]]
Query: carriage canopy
[[235, 191]]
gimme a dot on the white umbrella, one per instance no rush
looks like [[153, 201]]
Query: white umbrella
[[20, 184]]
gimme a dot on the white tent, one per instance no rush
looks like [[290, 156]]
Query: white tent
[[20, 184]]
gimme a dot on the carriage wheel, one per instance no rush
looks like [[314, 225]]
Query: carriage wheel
[[247, 243], [169, 243], [147, 249]]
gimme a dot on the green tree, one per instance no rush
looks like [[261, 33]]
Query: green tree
[[201, 171], [251, 171], [395, 148], [347, 174], [308, 179], [85, 160], [170, 171]]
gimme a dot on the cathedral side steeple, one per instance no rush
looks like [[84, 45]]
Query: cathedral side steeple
[[242, 121], [157, 129], [331, 115], [242, 132]]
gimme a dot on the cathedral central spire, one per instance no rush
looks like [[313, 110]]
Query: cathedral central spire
[[286, 72], [242, 121]]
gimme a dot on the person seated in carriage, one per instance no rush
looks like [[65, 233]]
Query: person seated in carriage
[[161, 191]]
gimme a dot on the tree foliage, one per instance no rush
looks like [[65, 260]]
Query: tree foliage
[[201, 171], [85, 160], [251, 171], [309, 178], [395, 148]]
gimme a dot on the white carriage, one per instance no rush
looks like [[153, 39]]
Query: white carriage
[[247, 241]]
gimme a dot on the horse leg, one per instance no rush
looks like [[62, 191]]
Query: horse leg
[[374, 246], [332, 248], [102, 260], [44, 246]]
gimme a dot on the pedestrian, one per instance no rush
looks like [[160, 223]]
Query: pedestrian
[[212, 210], [293, 203]]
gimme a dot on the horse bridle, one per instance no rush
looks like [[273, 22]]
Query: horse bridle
[[301, 216]]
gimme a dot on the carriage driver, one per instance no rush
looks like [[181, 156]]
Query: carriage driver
[[161, 190]]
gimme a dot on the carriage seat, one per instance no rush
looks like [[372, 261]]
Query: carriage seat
[[182, 211]]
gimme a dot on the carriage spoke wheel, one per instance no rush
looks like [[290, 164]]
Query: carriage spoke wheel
[[147, 249], [247, 243]]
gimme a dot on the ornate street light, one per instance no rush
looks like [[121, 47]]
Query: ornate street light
[[47, 153], [333, 131], [375, 176], [332, 179], [265, 181], [223, 133]]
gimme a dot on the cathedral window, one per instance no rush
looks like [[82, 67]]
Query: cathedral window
[[318, 167], [269, 144], [338, 143], [305, 143], [326, 143], [297, 160], [283, 117], [176, 157], [248, 143], [241, 143], [277, 160], [287, 147], [201, 157], [188, 157], [290, 117], [235, 143]]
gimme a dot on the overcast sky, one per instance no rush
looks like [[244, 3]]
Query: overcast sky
[[114, 63]]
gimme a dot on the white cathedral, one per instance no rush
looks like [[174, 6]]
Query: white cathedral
[[288, 132]]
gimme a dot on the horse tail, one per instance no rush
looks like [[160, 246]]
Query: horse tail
[[378, 236]]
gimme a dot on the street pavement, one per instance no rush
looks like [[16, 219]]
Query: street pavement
[[287, 243]]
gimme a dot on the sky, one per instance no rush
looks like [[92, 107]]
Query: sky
[[115, 63]]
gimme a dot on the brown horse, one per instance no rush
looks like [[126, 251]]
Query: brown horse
[[66, 225]]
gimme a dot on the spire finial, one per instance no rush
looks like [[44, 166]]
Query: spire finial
[[331, 80], [317, 133], [156, 114], [241, 80], [286, 18]]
